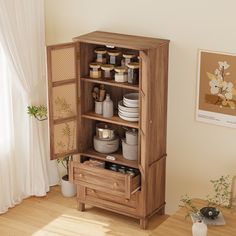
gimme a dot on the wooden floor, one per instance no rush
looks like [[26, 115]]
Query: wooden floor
[[55, 215]]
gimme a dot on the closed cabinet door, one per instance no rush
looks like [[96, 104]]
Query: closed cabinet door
[[63, 99]]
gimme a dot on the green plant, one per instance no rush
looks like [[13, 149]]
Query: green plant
[[221, 198], [39, 112]]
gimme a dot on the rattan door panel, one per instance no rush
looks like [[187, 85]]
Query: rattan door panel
[[62, 66], [63, 102]]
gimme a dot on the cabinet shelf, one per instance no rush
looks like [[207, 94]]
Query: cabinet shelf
[[113, 120], [118, 155], [111, 83]]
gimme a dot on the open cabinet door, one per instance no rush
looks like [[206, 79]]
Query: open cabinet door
[[63, 99]]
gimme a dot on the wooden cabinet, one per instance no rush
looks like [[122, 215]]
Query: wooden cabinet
[[73, 122]]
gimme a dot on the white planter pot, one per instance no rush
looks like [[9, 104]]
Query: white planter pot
[[67, 189]]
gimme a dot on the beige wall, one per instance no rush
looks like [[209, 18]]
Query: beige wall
[[197, 152]]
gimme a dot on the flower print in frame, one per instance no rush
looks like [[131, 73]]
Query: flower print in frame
[[216, 101]]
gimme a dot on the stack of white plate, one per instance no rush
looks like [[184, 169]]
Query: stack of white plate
[[129, 107]]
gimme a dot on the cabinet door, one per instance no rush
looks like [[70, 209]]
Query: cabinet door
[[63, 99]]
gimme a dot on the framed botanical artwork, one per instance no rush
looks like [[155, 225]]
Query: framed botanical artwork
[[216, 97]]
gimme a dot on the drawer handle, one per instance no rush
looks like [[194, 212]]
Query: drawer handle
[[115, 184], [126, 200], [80, 175], [93, 191]]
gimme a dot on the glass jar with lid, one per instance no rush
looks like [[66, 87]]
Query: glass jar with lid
[[121, 74], [127, 58], [95, 70], [114, 57], [101, 55], [133, 72], [107, 71]]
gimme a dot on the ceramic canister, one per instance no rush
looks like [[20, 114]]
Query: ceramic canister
[[104, 131], [130, 152], [132, 137]]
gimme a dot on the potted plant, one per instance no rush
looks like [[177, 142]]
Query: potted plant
[[38, 112], [68, 189]]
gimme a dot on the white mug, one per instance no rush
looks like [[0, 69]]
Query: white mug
[[98, 107]]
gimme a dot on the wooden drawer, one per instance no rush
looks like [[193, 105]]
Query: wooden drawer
[[104, 180], [91, 194], [110, 202]]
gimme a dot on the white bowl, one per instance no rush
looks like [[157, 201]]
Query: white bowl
[[129, 114], [130, 104], [126, 109], [131, 101], [132, 119], [131, 97]]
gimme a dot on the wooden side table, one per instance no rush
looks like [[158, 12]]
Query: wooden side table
[[178, 225]]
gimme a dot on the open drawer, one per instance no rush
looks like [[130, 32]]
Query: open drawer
[[104, 180]]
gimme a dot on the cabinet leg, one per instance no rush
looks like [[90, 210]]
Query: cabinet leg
[[81, 206], [162, 211], [143, 223]]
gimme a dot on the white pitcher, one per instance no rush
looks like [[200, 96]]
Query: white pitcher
[[108, 107]]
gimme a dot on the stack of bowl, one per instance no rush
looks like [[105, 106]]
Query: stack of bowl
[[130, 145], [129, 107]]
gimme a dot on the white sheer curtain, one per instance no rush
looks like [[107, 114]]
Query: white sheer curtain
[[23, 141]]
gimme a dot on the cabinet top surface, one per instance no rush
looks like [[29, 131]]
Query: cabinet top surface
[[121, 40]]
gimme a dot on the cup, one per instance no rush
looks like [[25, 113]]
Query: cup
[[98, 107]]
